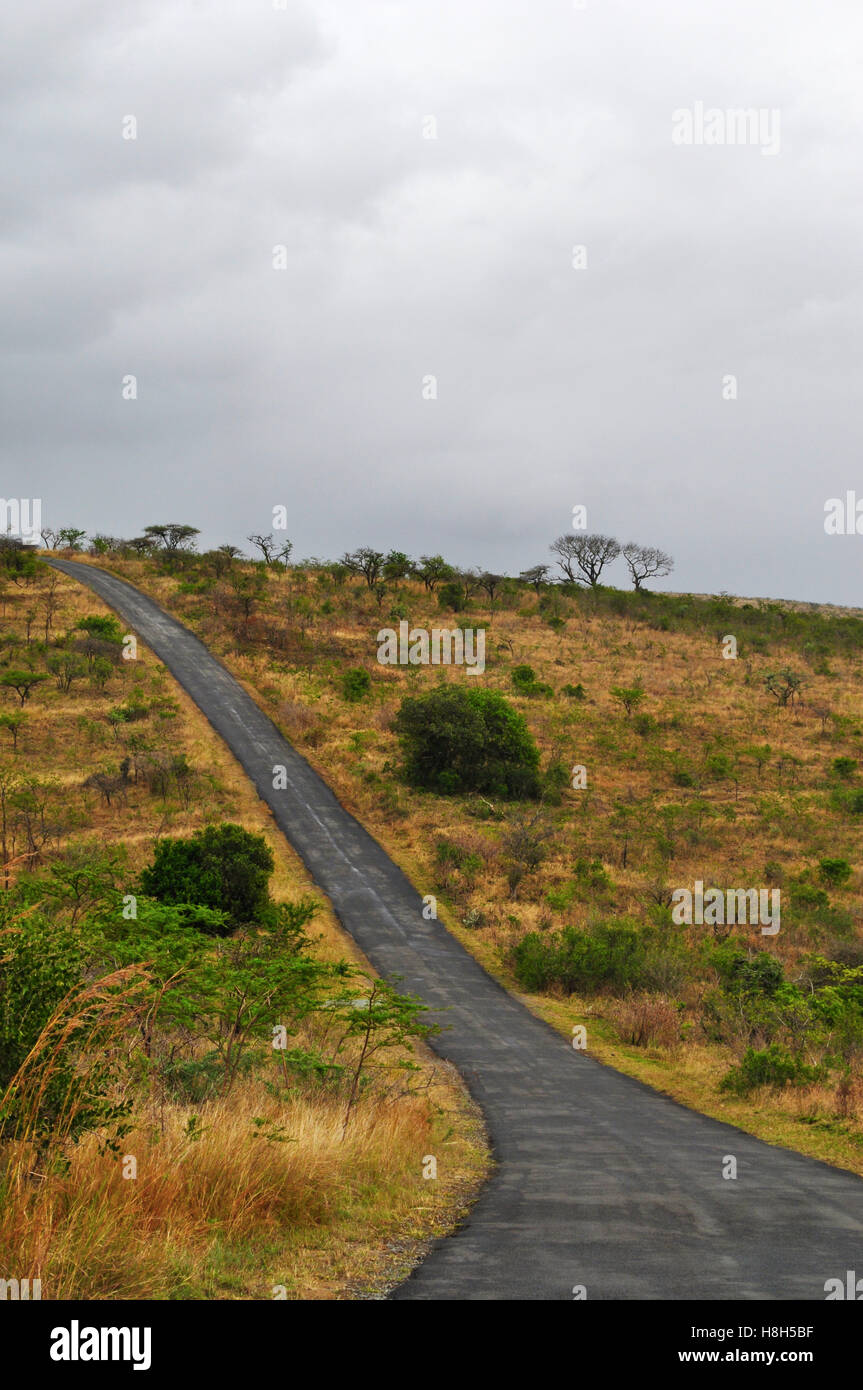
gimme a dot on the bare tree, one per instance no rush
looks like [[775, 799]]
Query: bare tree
[[266, 545], [49, 537], [646, 562], [526, 844], [583, 558]]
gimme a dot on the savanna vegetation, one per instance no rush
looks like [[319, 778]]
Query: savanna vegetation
[[205, 1092], [619, 745]]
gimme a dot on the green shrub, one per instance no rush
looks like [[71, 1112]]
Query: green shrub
[[356, 684], [466, 738], [223, 867], [560, 898], [807, 897], [844, 767], [523, 677], [574, 692], [43, 964], [592, 873], [834, 871], [744, 974], [682, 778], [772, 1066], [525, 682], [451, 598], [609, 956]]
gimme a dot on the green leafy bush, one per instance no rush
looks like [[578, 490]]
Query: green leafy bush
[[223, 867], [772, 1066], [356, 684], [608, 956], [451, 598], [844, 767], [834, 871], [465, 738]]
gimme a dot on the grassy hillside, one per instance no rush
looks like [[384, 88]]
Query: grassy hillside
[[246, 1183], [740, 771]]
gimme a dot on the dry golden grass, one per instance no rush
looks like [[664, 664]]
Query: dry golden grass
[[223, 1212]]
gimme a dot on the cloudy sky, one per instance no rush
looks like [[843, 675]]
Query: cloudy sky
[[429, 169]]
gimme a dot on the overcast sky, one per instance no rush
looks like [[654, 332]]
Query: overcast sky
[[409, 257]]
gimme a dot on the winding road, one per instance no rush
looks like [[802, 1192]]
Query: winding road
[[602, 1185]]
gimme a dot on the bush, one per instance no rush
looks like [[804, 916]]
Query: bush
[[525, 682], [772, 1066], [746, 975], [834, 871], [451, 598], [523, 677], [356, 684], [808, 898], [574, 692], [844, 767], [682, 778], [609, 956], [222, 867], [459, 738]]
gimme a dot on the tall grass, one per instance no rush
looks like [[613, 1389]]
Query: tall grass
[[244, 1173]]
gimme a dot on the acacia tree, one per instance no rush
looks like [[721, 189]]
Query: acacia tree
[[397, 565], [22, 682], [630, 696], [172, 536], [646, 562], [70, 536], [583, 557], [222, 558], [490, 584], [434, 570], [785, 686], [536, 576], [367, 562]]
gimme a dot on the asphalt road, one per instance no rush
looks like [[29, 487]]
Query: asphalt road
[[602, 1184]]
